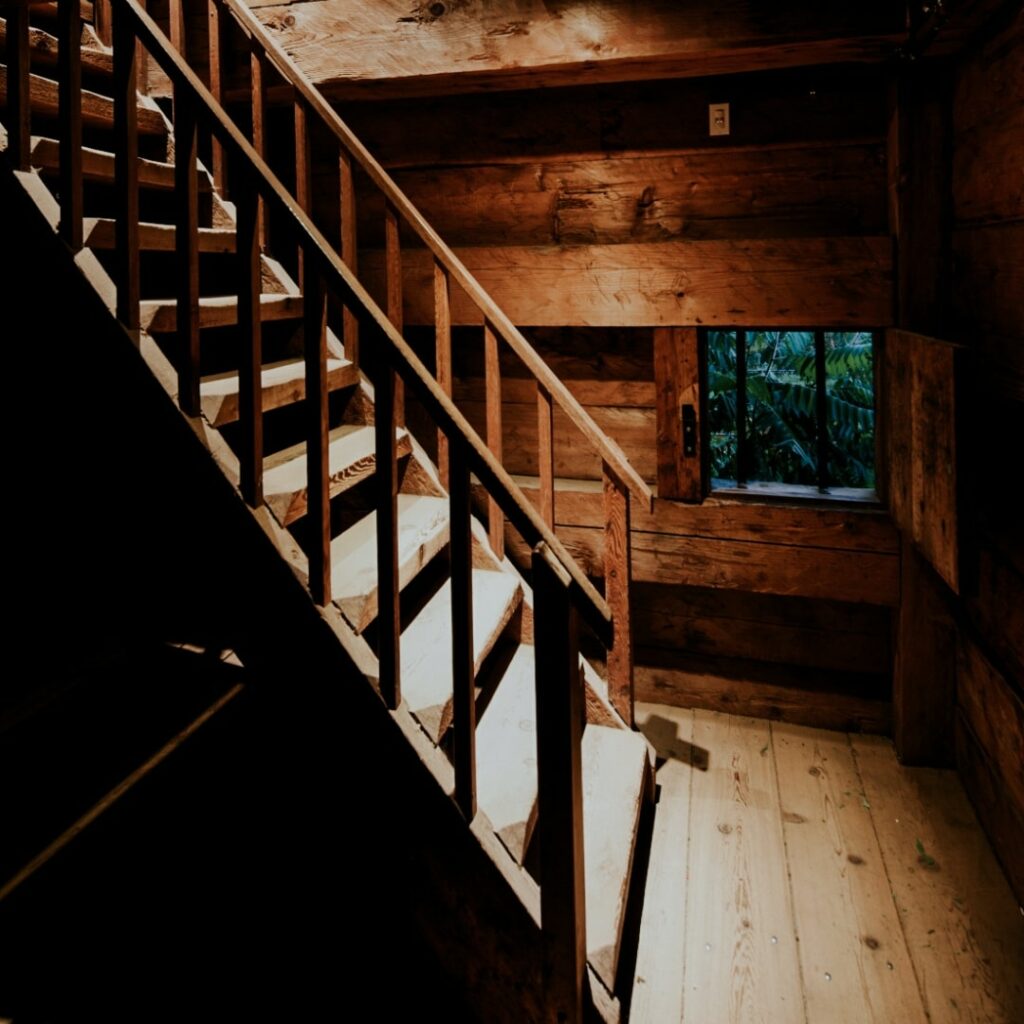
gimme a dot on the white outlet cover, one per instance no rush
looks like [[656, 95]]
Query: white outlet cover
[[718, 119]]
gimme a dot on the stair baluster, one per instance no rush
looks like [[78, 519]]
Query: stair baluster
[[258, 68], [126, 168], [317, 441], [492, 385], [393, 287], [19, 110], [443, 354], [69, 77], [350, 324], [215, 35], [186, 246], [250, 356], [386, 482], [617, 577], [546, 454]]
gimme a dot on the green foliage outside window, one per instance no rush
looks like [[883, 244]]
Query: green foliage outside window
[[781, 407]]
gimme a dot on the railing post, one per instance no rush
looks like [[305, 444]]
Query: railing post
[[102, 21], [492, 387], [546, 454], [393, 276], [176, 16], [19, 109], [303, 167], [443, 354], [126, 168], [258, 65], [560, 717], [250, 347], [186, 244], [69, 75], [215, 32], [350, 325], [386, 486], [318, 491], [617, 576], [463, 667]]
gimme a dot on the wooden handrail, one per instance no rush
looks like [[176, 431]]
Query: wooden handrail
[[340, 279], [493, 315]]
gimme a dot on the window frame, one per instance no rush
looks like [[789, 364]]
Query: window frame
[[770, 490]]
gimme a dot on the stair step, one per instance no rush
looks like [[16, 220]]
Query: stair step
[[49, 10], [352, 459], [159, 315], [426, 663], [101, 233], [97, 110], [614, 770], [98, 165], [43, 47], [422, 533], [283, 383], [506, 761]]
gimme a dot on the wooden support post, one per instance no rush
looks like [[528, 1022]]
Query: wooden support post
[[677, 373], [250, 358], [318, 490], [492, 385], [186, 246], [69, 75], [126, 168], [303, 165], [258, 66], [463, 670], [443, 354], [386, 485], [19, 110], [546, 454], [393, 274], [176, 15], [350, 325], [617, 578], [560, 718], [102, 21], [214, 20]]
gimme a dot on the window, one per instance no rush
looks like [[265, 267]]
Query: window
[[791, 407]]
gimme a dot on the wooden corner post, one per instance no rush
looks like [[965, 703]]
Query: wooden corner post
[[560, 717]]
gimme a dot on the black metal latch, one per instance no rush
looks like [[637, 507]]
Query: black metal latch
[[689, 430]]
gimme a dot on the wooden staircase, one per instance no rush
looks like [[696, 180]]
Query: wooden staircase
[[417, 588]]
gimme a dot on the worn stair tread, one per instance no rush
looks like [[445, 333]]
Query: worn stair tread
[[614, 767], [43, 47], [97, 110], [101, 233], [98, 165], [283, 383], [352, 459], [157, 315], [427, 664], [506, 760], [422, 533]]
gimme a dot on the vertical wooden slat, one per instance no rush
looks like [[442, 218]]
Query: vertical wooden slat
[[386, 486], [393, 273], [102, 18], [214, 21], [463, 670], [546, 454], [560, 717], [492, 383], [821, 417], [677, 394], [317, 442], [303, 166], [19, 111], [443, 350], [617, 576], [742, 451], [126, 169], [176, 16], [350, 326], [250, 398], [69, 75], [186, 246], [258, 66]]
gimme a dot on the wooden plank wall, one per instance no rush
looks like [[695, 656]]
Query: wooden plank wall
[[988, 317], [595, 215]]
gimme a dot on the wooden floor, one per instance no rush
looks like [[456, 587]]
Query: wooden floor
[[800, 875]]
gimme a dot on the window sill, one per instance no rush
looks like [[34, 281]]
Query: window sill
[[862, 497]]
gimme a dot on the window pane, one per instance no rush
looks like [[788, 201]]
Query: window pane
[[781, 397], [721, 403], [850, 385]]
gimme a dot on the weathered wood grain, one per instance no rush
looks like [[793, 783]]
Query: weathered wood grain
[[832, 281], [524, 44], [677, 373]]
